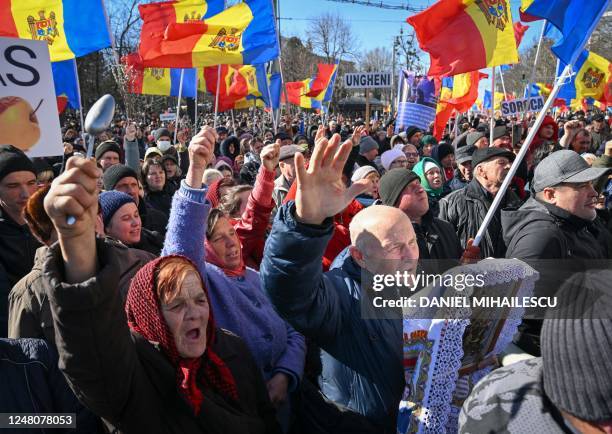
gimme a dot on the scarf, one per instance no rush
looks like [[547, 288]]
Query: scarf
[[213, 193], [419, 169], [144, 316], [212, 258]]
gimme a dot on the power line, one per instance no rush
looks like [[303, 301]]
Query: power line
[[405, 6], [344, 19]]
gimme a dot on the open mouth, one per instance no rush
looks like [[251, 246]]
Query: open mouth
[[193, 334]]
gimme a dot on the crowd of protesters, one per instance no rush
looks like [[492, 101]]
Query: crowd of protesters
[[211, 281]]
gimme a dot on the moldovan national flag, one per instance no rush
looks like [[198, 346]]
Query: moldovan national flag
[[590, 81], [244, 34], [158, 81], [321, 81], [466, 35], [575, 19], [72, 28], [65, 80]]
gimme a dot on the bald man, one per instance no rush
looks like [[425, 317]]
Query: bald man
[[361, 358]]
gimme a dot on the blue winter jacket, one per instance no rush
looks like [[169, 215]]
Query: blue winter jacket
[[32, 383], [361, 358]]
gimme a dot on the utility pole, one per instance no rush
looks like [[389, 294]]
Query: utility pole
[[393, 76]]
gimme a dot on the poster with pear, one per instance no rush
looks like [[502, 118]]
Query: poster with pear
[[28, 107]]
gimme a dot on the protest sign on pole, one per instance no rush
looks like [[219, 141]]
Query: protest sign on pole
[[367, 80], [165, 117], [28, 107], [416, 96], [523, 105]]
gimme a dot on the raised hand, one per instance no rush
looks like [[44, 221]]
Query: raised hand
[[130, 133], [201, 153], [321, 193], [357, 133], [269, 156], [74, 193]]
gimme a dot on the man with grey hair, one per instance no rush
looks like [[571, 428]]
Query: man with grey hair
[[559, 223], [362, 372], [466, 208]]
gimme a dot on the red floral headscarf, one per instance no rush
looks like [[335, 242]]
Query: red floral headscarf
[[143, 309]]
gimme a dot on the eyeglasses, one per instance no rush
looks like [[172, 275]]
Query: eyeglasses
[[411, 154]]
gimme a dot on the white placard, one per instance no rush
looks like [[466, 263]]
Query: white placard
[[518, 106], [28, 106], [367, 80], [167, 117]]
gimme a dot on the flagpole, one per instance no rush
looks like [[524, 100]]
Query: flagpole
[[501, 75], [284, 85], [233, 122], [178, 105], [331, 97], [492, 121], [76, 74], [271, 111], [519, 157], [217, 95], [535, 62], [195, 121]]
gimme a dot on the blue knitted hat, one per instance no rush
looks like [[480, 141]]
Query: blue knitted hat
[[111, 201]]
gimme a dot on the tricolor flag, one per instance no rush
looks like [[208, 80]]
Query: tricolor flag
[[324, 76], [66, 83], [72, 28], [243, 34], [239, 85], [456, 93], [159, 81], [249, 81], [593, 75], [466, 35], [298, 91], [575, 19]]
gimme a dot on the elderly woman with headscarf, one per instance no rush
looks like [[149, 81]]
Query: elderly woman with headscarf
[[167, 368], [240, 303], [432, 179]]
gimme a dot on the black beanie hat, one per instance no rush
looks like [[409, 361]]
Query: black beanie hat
[[443, 150], [393, 183], [576, 340], [105, 147], [116, 173], [13, 159]]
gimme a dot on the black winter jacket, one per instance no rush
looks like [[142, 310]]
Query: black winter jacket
[[439, 247], [126, 379], [152, 219], [17, 250], [556, 244], [466, 209]]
